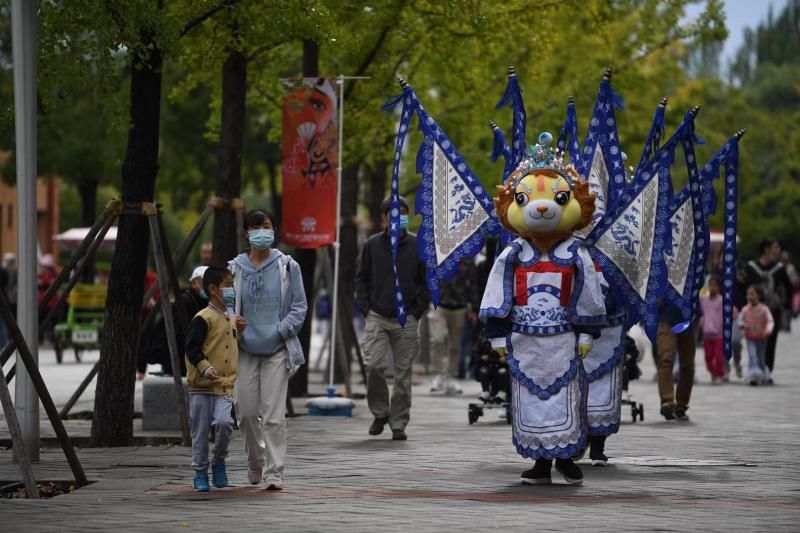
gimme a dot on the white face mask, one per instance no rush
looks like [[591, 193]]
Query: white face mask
[[261, 239]]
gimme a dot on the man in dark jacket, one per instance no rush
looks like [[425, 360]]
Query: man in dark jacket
[[376, 300], [155, 347], [768, 272]]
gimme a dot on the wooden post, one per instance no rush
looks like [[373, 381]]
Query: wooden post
[[81, 266], [181, 253], [111, 211], [20, 451], [41, 390], [151, 211], [238, 207], [182, 321], [77, 394], [183, 249]]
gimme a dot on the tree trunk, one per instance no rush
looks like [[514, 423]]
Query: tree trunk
[[349, 253], [87, 188], [377, 192], [231, 141], [112, 424], [306, 258]]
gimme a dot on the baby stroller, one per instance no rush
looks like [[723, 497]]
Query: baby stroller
[[491, 371], [630, 372]]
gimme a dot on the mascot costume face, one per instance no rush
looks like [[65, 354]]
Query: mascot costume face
[[544, 306]]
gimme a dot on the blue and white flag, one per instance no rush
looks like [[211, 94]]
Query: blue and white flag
[[630, 241], [501, 148], [729, 157], [408, 100], [513, 97], [654, 135], [568, 138], [686, 257], [600, 162], [457, 212]]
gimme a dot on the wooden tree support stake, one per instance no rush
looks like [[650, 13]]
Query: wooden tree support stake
[[181, 253], [25, 467], [152, 213], [41, 390]]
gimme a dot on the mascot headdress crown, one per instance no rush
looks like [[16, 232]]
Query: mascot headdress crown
[[542, 156]]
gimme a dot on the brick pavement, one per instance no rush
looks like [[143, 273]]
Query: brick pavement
[[732, 468]]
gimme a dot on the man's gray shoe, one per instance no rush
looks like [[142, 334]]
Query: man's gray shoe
[[376, 428], [399, 434]]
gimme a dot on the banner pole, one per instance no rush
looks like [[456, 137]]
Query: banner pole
[[334, 309]]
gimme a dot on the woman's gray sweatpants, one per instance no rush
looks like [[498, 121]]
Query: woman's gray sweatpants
[[210, 410]]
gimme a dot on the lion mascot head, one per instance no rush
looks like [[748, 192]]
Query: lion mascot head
[[544, 200]]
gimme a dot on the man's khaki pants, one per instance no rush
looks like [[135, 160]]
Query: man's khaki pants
[[667, 344], [380, 336], [446, 330]]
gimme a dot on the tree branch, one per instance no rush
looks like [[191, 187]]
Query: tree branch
[[193, 23]]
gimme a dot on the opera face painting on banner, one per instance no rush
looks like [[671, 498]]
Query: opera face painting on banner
[[310, 161]]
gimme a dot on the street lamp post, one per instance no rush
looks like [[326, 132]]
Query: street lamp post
[[23, 40]]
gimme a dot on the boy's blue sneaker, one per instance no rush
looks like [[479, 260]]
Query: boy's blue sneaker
[[218, 475], [200, 481]]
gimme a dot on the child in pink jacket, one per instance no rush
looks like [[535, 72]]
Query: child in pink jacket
[[711, 324], [756, 321]]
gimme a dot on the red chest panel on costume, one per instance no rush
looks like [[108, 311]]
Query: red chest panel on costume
[[541, 267]]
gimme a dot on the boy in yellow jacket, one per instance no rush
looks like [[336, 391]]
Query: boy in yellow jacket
[[212, 357]]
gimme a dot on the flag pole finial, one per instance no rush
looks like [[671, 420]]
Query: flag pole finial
[[403, 83], [512, 72], [663, 102], [740, 133], [492, 125], [607, 74]]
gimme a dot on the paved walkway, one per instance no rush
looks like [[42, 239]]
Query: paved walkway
[[734, 467]]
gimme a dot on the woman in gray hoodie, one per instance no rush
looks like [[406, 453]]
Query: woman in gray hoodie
[[271, 299]]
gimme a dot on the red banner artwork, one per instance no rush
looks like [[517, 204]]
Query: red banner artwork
[[310, 161]]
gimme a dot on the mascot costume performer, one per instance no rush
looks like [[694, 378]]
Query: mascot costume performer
[[544, 304], [587, 254]]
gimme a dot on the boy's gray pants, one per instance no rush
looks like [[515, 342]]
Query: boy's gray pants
[[208, 410]]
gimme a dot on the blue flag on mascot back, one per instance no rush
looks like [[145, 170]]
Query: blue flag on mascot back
[[729, 157], [686, 257], [568, 138], [513, 97], [654, 135], [600, 162], [456, 210], [630, 241], [408, 100]]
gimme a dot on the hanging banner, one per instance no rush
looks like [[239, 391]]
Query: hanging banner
[[310, 145]]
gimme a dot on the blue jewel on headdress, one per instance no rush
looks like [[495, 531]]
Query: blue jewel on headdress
[[542, 156]]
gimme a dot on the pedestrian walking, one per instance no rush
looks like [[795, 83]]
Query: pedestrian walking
[[672, 340], [376, 300], [446, 326], [211, 362], [757, 322], [154, 346], [794, 285], [769, 273], [711, 326], [271, 299]]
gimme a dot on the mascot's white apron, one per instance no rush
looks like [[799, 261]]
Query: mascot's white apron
[[603, 368], [541, 298]]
